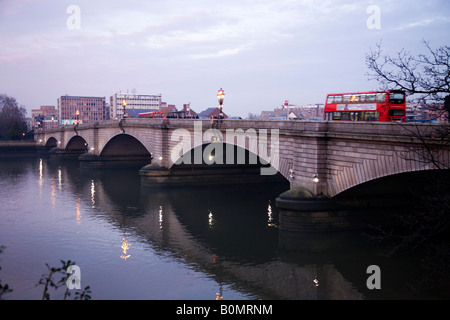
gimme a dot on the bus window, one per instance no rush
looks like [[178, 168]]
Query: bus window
[[381, 97], [338, 99], [345, 116], [330, 99], [396, 112], [371, 116], [396, 98], [336, 116], [362, 98], [370, 97], [347, 98], [354, 98]]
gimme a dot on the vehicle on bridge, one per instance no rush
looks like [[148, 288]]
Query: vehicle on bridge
[[153, 114], [382, 106]]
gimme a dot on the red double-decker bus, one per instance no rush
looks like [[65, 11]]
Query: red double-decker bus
[[387, 105], [153, 114]]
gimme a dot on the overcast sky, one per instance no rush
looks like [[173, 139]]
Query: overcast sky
[[260, 52]]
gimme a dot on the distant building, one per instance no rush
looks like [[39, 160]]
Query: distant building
[[73, 109], [48, 113], [147, 102], [134, 113], [267, 115], [167, 108], [107, 112], [294, 112], [426, 112], [49, 123], [211, 113], [45, 111], [188, 111]]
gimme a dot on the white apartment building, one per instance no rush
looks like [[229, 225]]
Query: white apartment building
[[147, 102]]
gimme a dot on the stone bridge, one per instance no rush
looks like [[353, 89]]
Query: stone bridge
[[325, 158]]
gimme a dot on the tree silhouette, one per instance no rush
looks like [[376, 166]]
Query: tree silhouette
[[426, 75], [12, 118]]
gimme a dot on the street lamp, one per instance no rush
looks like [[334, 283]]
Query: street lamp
[[124, 104], [220, 97], [76, 125], [315, 178]]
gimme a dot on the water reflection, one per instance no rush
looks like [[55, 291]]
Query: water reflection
[[125, 247], [210, 220], [160, 217], [226, 234], [41, 174], [270, 220], [238, 234], [78, 216], [92, 193]]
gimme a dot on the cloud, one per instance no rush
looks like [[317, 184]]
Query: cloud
[[422, 23], [221, 53], [176, 45], [12, 7]]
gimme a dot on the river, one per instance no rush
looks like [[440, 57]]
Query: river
[[174, 243]]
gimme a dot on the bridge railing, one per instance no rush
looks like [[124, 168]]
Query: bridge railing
[[318, 128]]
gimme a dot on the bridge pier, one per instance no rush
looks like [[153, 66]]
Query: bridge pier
[[155, 175], [302, 211], [64, 153], [91, 160]]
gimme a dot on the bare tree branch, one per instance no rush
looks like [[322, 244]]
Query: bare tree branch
[[425, 75]]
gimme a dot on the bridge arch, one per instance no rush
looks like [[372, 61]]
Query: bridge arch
[[220, 158], [367, 170], [51, 142], [124, 145], [404, 183], [77, 144]]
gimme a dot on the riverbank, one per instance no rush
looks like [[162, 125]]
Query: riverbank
[[11, 148]]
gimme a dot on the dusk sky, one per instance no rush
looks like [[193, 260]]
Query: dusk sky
[[260, 52]]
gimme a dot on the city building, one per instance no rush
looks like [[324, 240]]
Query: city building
[[421, 112], [146, 102], [211, 113], [267, 115], [79, 109], [45, 117], [45, 111], [167, 108], [107, 112], [188, 111], [294, 112]]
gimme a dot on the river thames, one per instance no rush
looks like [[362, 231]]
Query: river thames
[[175, 243]]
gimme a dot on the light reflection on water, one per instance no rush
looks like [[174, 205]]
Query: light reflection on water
[[179, 243]]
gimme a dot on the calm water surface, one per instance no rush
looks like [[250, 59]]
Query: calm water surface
[[178, 243]]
